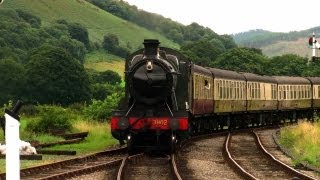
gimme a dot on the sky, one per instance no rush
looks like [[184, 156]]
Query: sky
[[234, 16]]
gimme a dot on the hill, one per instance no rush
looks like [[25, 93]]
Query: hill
[[275, 43], [97, 21]]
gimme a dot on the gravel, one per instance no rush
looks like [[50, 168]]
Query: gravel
[[203, 160]]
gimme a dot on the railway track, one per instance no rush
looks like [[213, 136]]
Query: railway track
[[109, 160], [144, 166], [272, 147], [202, 158], [245, 153]]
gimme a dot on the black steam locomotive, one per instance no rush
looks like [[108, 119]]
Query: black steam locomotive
[[168, 98]]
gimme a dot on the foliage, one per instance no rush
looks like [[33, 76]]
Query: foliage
[[77, 31], [202, 52], [101, 110], [303, 141], [111, 44], [242, 60], [259, 38], [55, 77], [50, 118], [97, 21], [12, 80], [33, 20], [20, 32], [288, 65], [107, 76]]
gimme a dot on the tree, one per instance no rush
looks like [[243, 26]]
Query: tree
[[12, 80], [110, 42], [241, 59], [33, 20], [53, 76], [110, 77], [77, 32], [287, 65], [202, 52]]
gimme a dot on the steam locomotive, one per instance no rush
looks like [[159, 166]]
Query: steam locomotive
[[168, 98]]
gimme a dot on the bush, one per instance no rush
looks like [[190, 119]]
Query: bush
[[101, 110], [29, 110], [51, 118]]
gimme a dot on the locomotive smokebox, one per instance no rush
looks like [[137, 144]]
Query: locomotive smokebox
[[151, 47], [151, 78]]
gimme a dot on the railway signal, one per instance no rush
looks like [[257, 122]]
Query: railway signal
[[314, 45]]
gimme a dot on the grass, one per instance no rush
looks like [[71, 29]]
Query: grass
[[97, 21], [303, 141], [101, 61], [99, 138], [101, 56]]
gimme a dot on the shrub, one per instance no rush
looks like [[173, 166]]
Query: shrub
[[29, 110], [101, 110], [51, 118]]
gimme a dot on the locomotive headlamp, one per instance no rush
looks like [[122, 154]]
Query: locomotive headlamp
[[149, 65], [1, 1], [123, 123], [174, 124]]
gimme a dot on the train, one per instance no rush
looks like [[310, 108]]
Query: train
[[168, 98]]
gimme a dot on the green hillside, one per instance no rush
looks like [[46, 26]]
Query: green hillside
[[97, 21], [275, 43]]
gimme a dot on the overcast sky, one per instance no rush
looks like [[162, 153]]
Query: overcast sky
[[233, 16]]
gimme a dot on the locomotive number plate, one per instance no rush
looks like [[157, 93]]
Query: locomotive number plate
[[160, 122]]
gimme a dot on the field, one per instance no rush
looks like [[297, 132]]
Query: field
[[97, 21], [303, 141], [299, 47], [101, 61]]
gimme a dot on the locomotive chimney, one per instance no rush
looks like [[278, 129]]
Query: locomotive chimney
[[151, 47]]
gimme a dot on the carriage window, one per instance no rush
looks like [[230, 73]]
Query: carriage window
[[236, 90], [227, 89], [259, 90], [232, 90], [223, 90], [220, 89], [294, 92], [280, 91], [305, 92], [206, 84], [275, 91], [241, 90], [243, 93], [318, 91]]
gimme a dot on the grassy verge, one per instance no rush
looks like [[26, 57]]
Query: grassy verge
[[303, 141], [99, 138]]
